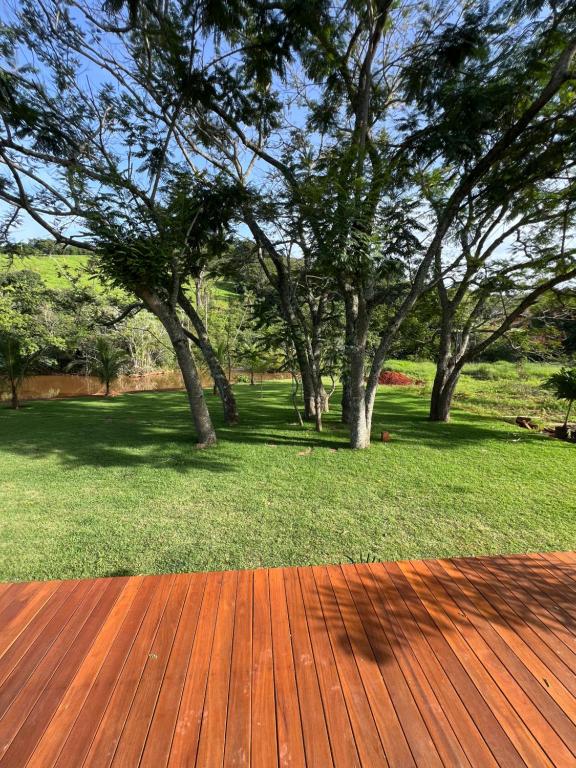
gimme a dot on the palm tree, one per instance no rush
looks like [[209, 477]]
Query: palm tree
[[563, 385], [106, 362], [251, 355]]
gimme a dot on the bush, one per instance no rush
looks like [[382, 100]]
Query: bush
[[482, 373], [500, 371], [563, 385]]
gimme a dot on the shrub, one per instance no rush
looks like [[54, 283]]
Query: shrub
[[483, 373], [563, 386]]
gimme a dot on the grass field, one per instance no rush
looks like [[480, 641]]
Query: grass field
[[497, 389], [92, 487], [55, 269]]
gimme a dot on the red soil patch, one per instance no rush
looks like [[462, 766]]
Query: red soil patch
[[395, 379]]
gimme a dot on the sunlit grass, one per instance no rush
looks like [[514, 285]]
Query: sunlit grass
[[91, 487], [497, 389]]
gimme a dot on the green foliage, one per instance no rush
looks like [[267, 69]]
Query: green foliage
[[30, 329], [106, 361], [563, 385]]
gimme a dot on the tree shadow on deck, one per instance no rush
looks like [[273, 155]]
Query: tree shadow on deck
[[522, 610]]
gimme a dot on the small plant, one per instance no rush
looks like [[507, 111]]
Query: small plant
[[106, 362], [362, 559], [563, 385]]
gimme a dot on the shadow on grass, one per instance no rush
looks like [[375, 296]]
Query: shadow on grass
[[155, 429]]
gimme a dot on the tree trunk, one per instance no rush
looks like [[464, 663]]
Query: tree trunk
[[568, 413], [221, 382], [453, 346], [443, 389], [306, 378], [345, 402], [14, 402], [107, 389], [360, 421], [169, 319], [359, 428]]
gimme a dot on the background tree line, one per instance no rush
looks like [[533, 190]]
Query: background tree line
[[364, 171]]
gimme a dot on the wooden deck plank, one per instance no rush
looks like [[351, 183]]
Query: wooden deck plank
[[366, 731], [409, 716], [46, 704], [20, 611], [239, 720], [547, 626], [159, 740], [135, 731], [214, 716], [342, 677], [393, 738], [288, 722], [463, 662], [103, 747], [482, 715], [264, 750], [187, 732], [90, 673], [457, 727], [561, 563], [440, 608], [17, 593], [315, 733], [26, 682], [37, 627], [407, 679], [537, 655], [343, 745], [546, 720], [72, 749], [542, 586]]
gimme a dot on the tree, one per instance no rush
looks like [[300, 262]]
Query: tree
[[14, 365], [382, 107], [29, 332], [484, 292], [105, 361], [563, 385], [107, 147]]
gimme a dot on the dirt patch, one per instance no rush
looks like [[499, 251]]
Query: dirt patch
[[396, 379]]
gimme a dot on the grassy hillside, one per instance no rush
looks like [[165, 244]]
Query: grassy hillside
[[55, 270]]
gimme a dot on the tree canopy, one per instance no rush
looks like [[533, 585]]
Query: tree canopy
[[368, 155]]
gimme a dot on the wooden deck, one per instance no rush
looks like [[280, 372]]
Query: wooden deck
[[468, 662]]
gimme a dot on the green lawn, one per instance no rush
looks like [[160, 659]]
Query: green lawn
[[90, 487], [497, 389]]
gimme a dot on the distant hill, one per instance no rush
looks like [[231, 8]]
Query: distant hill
[[53, 269]]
